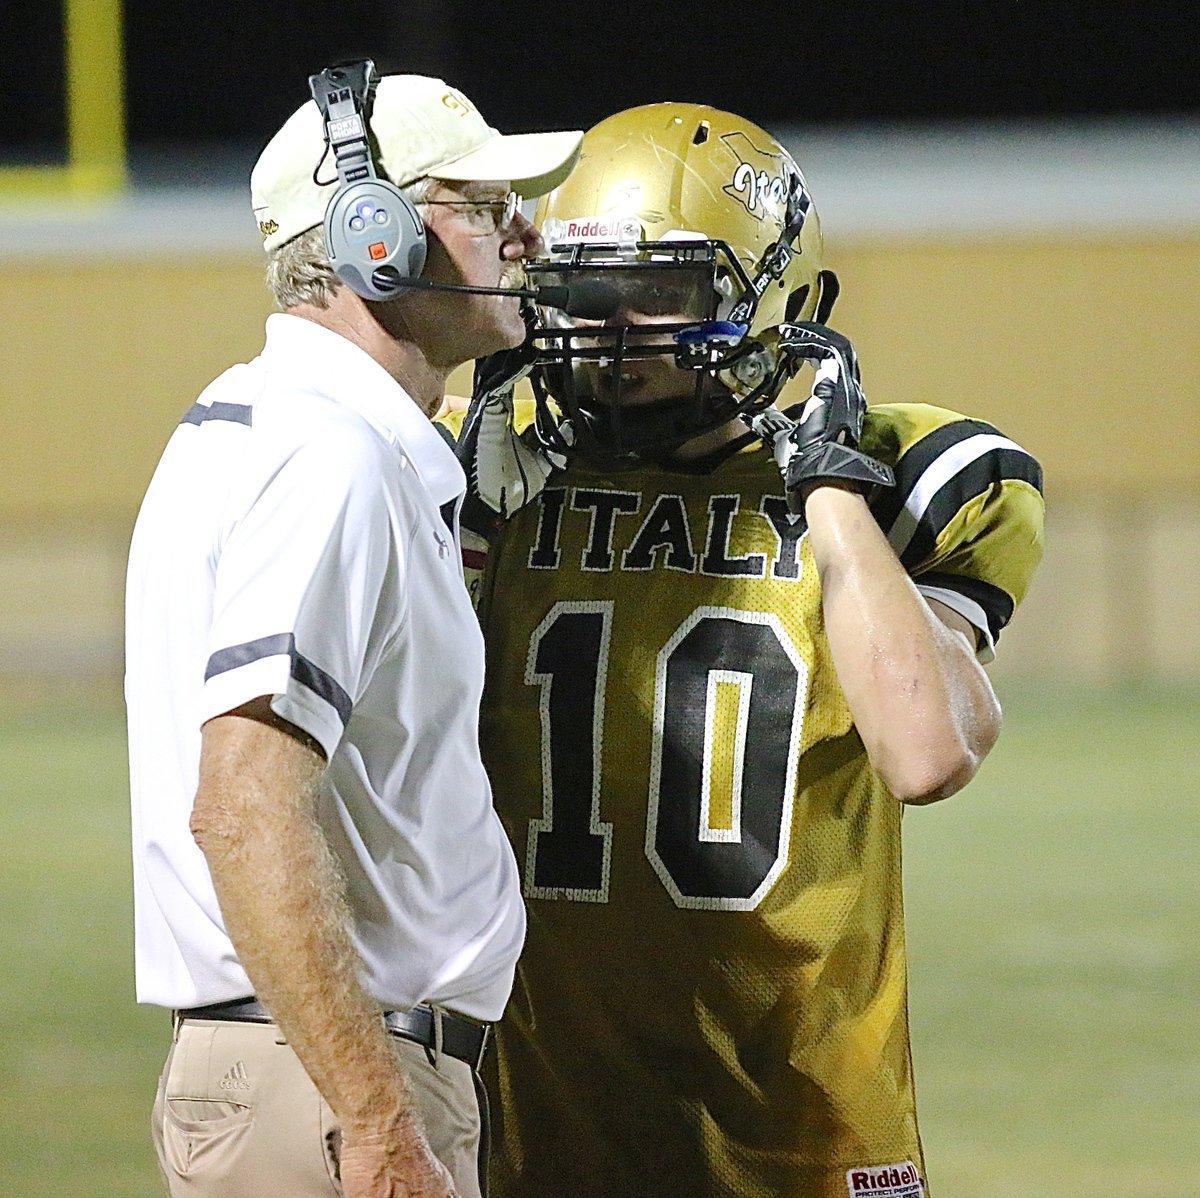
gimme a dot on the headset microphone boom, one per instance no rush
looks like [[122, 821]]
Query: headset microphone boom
[[589, 299]]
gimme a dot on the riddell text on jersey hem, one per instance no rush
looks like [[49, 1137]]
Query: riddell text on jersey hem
[[902, 1180]]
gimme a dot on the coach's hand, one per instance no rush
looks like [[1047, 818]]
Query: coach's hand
[[823, 446], [399, 1164]]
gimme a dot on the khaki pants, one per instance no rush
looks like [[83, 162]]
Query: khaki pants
[[237, 1116]]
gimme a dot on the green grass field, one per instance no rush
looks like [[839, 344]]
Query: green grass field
[[1054, 924]]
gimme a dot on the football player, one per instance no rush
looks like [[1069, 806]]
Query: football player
[[732, 629]]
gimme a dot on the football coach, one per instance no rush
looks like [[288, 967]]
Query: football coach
[[324, 897]]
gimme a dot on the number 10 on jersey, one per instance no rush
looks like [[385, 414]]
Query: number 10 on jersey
[[730, 692]]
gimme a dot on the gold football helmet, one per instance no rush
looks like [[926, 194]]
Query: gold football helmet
[[702, 227]]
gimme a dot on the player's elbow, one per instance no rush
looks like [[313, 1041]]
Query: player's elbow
[[926, 760], [932, 769], [931, 777]]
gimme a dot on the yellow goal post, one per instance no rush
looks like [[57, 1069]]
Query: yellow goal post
[[95, 106]]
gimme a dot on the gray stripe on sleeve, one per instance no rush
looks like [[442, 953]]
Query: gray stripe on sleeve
[[235, 412], [323, 685]]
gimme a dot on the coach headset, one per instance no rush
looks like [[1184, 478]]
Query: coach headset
[[374, 234]]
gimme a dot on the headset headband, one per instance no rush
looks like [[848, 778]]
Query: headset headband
[[345, 95], [373, 233]]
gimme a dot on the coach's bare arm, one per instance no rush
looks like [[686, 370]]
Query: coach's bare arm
[[281, 896], [922, 703]]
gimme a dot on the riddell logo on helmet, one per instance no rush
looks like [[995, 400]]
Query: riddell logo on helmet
[[885, 1181], [592, 228]]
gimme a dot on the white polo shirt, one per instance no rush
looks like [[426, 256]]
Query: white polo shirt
[[298, 540]]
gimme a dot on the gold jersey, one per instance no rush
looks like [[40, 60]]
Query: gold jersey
[[712, 997]]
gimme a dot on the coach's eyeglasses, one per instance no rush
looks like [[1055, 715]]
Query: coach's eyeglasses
[[491, 216]]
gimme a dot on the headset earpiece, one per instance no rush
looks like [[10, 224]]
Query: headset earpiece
[[373, 233], [374, 236]]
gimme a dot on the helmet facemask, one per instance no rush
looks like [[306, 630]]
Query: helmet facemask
[[657, 372]]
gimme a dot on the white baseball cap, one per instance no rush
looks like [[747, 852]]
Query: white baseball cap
[[423, 128]]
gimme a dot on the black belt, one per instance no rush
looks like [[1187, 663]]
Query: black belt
[[461, 1038]]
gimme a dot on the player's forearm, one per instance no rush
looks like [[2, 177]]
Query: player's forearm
[[922, 704], [281, 899]]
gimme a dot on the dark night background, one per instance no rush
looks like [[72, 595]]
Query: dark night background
[[231, 72]]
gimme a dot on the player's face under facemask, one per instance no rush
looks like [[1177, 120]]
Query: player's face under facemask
[[623, 381], [646, 373]]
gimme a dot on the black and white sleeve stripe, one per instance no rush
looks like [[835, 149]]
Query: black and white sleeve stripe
[[939, 475], [305, 672], [935, 479]]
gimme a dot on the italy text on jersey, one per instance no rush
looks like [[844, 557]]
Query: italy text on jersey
[[664, 536]]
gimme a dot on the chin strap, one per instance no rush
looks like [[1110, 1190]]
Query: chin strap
[[777, 255]]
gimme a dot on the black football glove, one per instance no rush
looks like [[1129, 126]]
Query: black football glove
[[503, 370], [823, 445]]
